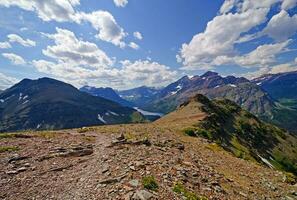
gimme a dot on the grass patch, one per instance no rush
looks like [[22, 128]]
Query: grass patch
[[150, 183], [214, 147], [13, 135], [180, 189], [8, 149], [47, 134], [136, 117], [89, 139], [290, 178], [195, 132], [85, 129], [7, 135]]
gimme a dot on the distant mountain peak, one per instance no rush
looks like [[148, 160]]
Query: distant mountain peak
[[209, 74]]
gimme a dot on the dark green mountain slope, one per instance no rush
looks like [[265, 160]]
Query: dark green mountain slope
[[50, 104], [239, 132]]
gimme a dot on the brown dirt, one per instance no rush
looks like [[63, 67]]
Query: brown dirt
[[202, 167]]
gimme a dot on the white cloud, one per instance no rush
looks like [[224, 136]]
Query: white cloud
[[107, 27], [120, 3], [69, 49], [81, 62], [220, 35], [64, 11], [18, 39], [280, 68], [286, 67], [133, 45], [281, 26], [5, 45], [6, 81], [227, 6], [217, 44], [147, 72], [131, 74], [138, 35], [288, 4], [14, 59], [263, 55], [58, 10]]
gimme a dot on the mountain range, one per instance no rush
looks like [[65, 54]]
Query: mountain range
[[107, 93], [263, 97], [266, 100], [50, 104]]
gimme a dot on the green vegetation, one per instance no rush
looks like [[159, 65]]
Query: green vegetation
[[85, 129], [180, 189], [13, 135], [8, 148], [198, 132], [47, 134], [243, 134], [290, 178], [7, 135], [136, 117], [150, 183]]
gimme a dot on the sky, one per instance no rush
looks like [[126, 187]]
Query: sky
[[130, 43]]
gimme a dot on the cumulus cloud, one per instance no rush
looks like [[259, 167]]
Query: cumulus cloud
[[81, 62], [281, 26], [147, 72], [133, 45], [263, 55], [227, 6], [14, 59], [18, 39], [58, 10], [6, 81], [5, 45], [70, 49], [220, 36], [275, 69], [216, 45], [65, 11], [120, 3], [138, 35], [106, 25], [288, 4]]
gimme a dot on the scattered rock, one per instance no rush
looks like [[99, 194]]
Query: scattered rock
[[61, 168], [180, 146], [134, 183], [13, 172], [22, 169], [142, 195], [113, 180], [17, 157]]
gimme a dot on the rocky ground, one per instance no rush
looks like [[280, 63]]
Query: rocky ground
[[141, 161]]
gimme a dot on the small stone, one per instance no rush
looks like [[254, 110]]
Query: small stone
[[134, 183], [142, 195], [132, 168], [104, 170], [121, 137], [180, 146], [243, 194], [12, 172], [22, 169]]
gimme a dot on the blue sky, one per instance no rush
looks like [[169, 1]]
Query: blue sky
[[129, 43]]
